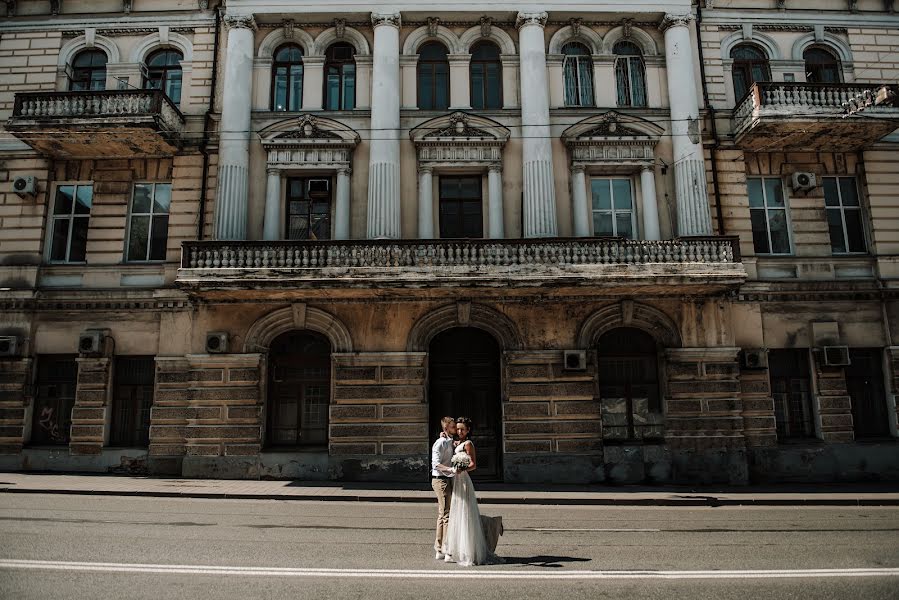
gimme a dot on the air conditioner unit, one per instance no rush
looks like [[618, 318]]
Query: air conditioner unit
[[755, 358], [9, 345], [803, 182], [835, 356], [25, 186], [216, 342], [91, 341], [575, 360]]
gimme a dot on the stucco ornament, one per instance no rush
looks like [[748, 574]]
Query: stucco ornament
[[575, 25], [55, 7], [10, 8], [288, 27], [240, 22], [392, 19], [203, 4], [126, 6], [531, 18], [674, 20], [433, 24], [627, 28], [339, 27], [486, 26]]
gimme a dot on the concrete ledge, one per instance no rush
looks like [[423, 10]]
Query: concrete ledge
[[109, 460]]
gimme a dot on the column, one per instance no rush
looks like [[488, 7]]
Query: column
[[271, 228], [693, 216], [384, 168], [234, 138], [579, 205], [539, 206], [460, 83], [425, 202], [313, 82], [495, 198], [342, 204], [650, 204]]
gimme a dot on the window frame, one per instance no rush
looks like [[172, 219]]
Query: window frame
[[72, 71], [789, 223], [635, 234], [581, 61], [163, 73], [745, 65], [461, 202], [843, 208], [432, 64], [341, 63], [151, 215], [288, 66], [306, 179], [837, 64], [52, 218], [484, 87], [628, 60]]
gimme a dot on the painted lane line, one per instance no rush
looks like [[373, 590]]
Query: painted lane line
[[432, 573], [614, 530]]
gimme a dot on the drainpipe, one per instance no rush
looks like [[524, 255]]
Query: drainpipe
[[719, 212], [207, 118]]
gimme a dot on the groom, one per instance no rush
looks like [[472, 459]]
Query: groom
[[442, 479]]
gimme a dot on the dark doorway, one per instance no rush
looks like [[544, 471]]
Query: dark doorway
[[791, 387], [464, 372], [864, 380], [56, 380], [133, 397], [299, 392]]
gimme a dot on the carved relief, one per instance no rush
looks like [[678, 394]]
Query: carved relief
[[307, 128], [459, 127], [486, 26], [339, 28], [433, 24]]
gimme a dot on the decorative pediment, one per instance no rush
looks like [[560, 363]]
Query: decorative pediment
[[612, 125], [308, 130], [459, 127], [613, 140]]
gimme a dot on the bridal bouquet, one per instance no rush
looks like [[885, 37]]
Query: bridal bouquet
[[461, 461]]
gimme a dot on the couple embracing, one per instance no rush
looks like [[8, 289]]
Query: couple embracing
[[461, 535]]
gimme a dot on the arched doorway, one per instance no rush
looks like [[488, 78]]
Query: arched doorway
[[464, 373], [299, 390], [629, 387]]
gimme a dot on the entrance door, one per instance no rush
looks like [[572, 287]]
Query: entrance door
[[299, 390], [864, 381], [464, 372]]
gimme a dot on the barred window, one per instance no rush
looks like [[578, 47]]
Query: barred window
[[578, 68], [630, 74]]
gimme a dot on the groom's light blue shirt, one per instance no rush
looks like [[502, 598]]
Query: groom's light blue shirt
[[441, 454]]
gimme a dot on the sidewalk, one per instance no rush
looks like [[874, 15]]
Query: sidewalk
[[488, 493]]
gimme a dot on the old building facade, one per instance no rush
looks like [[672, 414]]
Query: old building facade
[[269, 239]]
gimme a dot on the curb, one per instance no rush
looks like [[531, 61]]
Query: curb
[[707, 501]]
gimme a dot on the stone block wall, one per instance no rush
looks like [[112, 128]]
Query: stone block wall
[[27, 64], [893, 358], [834, 404], [92, 411], [759, 426], [15, 377]]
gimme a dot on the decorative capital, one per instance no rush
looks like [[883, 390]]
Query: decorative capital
[[425, 169], [577, 168], [273, 171], [344, 170], [670, 21], [531, 18], [495, 167], [392, 19], [240, 22]]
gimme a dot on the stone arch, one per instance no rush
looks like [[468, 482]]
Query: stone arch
[[629, 314], [75, 45], [829, 41], [497, 36], [154, 41], [585, 35], [645, 41], [279, 36], [463, 314], [298, 316], [329, 36], [419, 36], [765, 42]]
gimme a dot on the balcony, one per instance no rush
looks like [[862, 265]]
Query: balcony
[[101, 124], [809, 116], [515, 267]]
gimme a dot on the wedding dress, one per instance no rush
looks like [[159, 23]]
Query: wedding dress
[[465, 541]]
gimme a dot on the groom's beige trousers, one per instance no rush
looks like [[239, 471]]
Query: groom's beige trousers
[[444, 490]]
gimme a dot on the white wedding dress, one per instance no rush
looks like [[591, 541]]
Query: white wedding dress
[[465, 541]]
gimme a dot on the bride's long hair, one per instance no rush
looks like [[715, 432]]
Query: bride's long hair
[[468, 424]]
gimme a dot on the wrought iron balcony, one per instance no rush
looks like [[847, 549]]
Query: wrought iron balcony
[[809, 116], [711, 263], [97, 124]]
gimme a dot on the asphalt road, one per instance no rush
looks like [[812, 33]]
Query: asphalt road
[[52, 546]]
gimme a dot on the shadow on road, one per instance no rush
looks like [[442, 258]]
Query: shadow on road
[[543, 560]]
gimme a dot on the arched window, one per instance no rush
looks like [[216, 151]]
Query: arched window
[[578, 69], [340, 77], [88, 71], [750, 66], [164, 73], [486, 76], [287, 78], [433, 77], [821, 66], [630, 74]]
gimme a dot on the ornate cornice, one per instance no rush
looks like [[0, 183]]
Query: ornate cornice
[[531, 18], [240, 22], [118, 32], [393, 19], [673, 20]]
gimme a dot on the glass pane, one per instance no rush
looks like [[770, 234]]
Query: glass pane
[[855, 231], [470, 187], [777, 222], [848, 191], [756, 197], [622, 81], [741, 86], [173, 86], [571, 91], [79, 239], [602, 193], [142, 194], [297, 188], [831, 197], [296, 88], [441, 94], [759, 231], [158, 236], [349, 87], [425, 88], [63, 204], [137, 238], [60, 239], [298, 228], [280, 102], [623, 225], [494, 86], [774, 193], [98, 80], [638, 82], [585, 68], [332, 102], [835, 226], [163, 198], [83, 199], [602, 224], [477, 86], [621, 190]]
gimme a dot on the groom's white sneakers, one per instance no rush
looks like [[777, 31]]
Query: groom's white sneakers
[[439, 556]]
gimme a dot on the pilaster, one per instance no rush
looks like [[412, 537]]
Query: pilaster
[[15, 400]]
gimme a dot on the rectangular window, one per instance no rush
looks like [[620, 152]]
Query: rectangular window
[[69, 222], [844, 215], [867, 391], [148, 224], [613, 207], [791, 387], [461, 207], [309, 209], [132, 399], [52, 419], [768, 213]]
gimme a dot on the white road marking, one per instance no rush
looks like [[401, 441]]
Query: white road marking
[[596, 529], [474, 573]]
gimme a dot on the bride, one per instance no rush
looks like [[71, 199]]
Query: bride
[[465, 541]]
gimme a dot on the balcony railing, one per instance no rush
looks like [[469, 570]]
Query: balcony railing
[[809, 115]]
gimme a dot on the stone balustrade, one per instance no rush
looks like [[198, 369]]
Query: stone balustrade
[[113, 103]]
